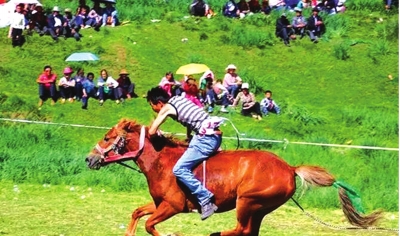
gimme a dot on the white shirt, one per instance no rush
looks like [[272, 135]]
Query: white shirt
[[17, 21]]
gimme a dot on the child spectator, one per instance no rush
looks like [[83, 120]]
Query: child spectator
[[66, 85], [88, 90], [107, 87], [269, 105], [47, 86], [249, 103], [125, 86]]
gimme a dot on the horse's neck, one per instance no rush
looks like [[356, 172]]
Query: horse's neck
[[150, 161]]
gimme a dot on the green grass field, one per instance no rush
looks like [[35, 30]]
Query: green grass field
[[334, 92]]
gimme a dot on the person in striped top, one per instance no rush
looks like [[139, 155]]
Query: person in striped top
[[204, 143]]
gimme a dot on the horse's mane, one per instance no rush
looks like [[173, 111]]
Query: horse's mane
[[130, 126]]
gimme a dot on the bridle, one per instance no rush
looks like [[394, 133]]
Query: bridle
[[118, 146]]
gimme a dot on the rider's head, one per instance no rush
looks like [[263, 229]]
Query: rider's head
[[157, 97]]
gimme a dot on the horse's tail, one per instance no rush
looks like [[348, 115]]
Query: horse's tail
[[349, 199]]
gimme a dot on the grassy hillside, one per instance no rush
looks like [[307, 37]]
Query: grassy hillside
[[336, 91]]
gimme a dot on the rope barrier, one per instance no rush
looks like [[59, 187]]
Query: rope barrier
[[284, 141]]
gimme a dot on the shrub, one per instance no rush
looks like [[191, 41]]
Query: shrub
[[341, 51]]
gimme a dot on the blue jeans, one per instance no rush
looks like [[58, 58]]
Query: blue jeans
[[275, 109], [200, 148], [92, 94], [233, 90], [45, 93]]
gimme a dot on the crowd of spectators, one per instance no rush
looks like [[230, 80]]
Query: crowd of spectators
[[33, 19], [81, 87]]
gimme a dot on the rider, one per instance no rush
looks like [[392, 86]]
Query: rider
[[205, 142]]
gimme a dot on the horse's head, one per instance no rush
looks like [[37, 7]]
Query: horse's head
[[118, 144]]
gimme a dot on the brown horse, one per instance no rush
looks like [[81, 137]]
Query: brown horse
[[254, 182]]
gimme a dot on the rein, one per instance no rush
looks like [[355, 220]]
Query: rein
[[118, 145]]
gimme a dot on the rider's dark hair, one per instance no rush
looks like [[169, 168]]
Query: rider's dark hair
[[157, 94]]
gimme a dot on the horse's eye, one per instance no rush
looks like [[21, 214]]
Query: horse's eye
[[106, 139]]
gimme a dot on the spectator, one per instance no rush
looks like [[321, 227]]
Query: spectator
[[125, 86], [231, 80], [82, 5], [38, 20], [88, 90], [230, 9], [170, 85], [222, 95], [315, 25], [71, 28], [303, 4], [79, 79], [110, 16], [81, 19], [249, 103], [191, 91], [269, 105], [284, 29], [66, 86], [277, 4], [244, 8], [17, 26], [299, 23], [107, 87], [95, 16], [199, 8], [254, 6], [47, 86], [265, 8], [55, 23]]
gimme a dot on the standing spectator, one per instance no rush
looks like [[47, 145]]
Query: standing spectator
[[232, 80], [230, 9], [47, 86], [55, 23], [283, 29], [254, 6], [170, 85], [110, 15], [299, 23], [17, 26], [79, 79], [107, 87], [126, 89], [71, 28], [249, 103], [38, 20], [88, 90], [315, 25], [269, 105], [66, 86]]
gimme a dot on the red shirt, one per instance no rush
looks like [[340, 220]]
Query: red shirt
[[47, 80]]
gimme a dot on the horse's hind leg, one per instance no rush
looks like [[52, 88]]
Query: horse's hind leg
[[137, 214]]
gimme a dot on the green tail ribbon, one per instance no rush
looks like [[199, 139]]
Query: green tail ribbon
[[352, 194]]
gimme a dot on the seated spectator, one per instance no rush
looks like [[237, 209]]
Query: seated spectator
[[81, 19], [230, 9], [110, 16], [95, 16], [249, 103], [66, 86], [284, 29], [17, 26], [303, 4], [55, 23], [82, 5], [265, 8], [79, 79], [38, 20], [268, 104], [88, 90], [199, 8], [47, 86], [299, 23], [244, 8], [71, 28], [329, 6], [277, 4], [206, 78], [221, 95], [291, 4], [107, 87], [231, 80], [191, 91], [125, 86], [170, 85], [315, 25], [254, 6]]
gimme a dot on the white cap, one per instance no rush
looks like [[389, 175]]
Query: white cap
[[245, 86], [56, 9], [231, 66]]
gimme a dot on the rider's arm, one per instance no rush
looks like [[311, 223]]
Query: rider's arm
[[165, 111]]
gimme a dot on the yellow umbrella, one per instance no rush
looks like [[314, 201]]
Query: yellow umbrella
[[191, 69]]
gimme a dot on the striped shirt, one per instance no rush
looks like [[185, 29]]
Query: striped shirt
[[188, 114]]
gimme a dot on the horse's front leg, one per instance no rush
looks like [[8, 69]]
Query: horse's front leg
[[137, 214], [164, 211]]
